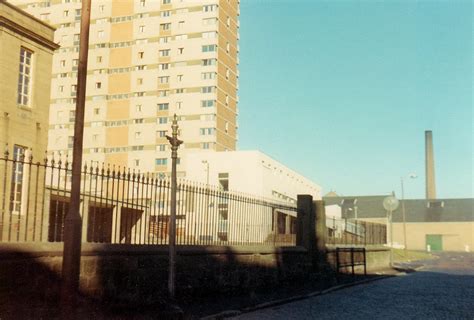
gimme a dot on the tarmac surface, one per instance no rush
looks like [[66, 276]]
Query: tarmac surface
[[442, 289]]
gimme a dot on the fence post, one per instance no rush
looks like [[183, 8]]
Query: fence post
[[305, 233], [320, 234]]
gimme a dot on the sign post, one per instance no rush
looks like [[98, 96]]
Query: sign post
[[390, 204]]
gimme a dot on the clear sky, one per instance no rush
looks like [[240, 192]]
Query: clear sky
[[342, 91]]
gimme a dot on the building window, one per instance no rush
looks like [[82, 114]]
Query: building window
[[136, 162], [208, 89], [161, 147], [205, 145], [165, 13], [163, 93], [19, 153], [139, 81], [209, 21], [207, 103], [100, 34], [98, 59], [142, 3], [180, 24], [164, 53], [164, 40], [209, 62], [98, 85], [179, 77], [180, 51], [24, 77], [164, 79], [141, 54], [209, 35], [181, 90], [96, 111], [161, 133], [162, 120], [70, 142], [141, 29], [61, 88], [208, 75], [179, 104], [72, 115], [138, 108], [206, 131], [163, 106], [166, 1], [101, 8], [164, 66], [209, 48], [161, 161], [73, 88], [224, 181], [138, 135], [165, 26], [181, 37], [209, 8], [65, 13], [137, 121]]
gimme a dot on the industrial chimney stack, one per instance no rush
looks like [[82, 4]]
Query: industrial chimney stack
[[429, 164]]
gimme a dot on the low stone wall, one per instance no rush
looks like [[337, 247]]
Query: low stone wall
[[126, 273]]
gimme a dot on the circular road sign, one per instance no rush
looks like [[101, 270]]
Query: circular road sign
[[390, 203]]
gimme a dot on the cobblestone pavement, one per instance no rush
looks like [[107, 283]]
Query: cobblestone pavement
[[442, 289]]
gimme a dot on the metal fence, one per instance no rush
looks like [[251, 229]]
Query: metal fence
[[355, 232], [120, 205]]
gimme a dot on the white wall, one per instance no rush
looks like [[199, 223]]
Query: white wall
[[251, 172]]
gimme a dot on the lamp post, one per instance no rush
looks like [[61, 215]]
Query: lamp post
[[73, 221], [390, 204], [411, 176], [175, 142]]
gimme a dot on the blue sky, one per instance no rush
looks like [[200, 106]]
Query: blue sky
[[342, 91]]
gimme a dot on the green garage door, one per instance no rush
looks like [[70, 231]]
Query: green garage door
[[435, 241]]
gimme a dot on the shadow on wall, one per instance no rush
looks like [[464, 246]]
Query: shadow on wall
[[117, 280]]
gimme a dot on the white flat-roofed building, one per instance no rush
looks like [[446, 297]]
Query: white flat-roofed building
[[251, 172]]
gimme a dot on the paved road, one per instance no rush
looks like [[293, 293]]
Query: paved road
[[443, 289]]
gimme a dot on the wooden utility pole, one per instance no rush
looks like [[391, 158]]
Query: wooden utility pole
[[175, 142], [73, 221]]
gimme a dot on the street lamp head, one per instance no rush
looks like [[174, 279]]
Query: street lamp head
[[412, 176]]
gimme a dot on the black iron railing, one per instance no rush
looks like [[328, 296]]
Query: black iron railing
[[120, 205]]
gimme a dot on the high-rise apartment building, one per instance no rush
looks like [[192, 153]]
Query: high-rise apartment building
[[148, 59]]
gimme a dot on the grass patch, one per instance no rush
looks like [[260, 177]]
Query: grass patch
[[399, 255]]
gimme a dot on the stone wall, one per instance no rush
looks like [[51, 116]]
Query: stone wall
[[125, 273]]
